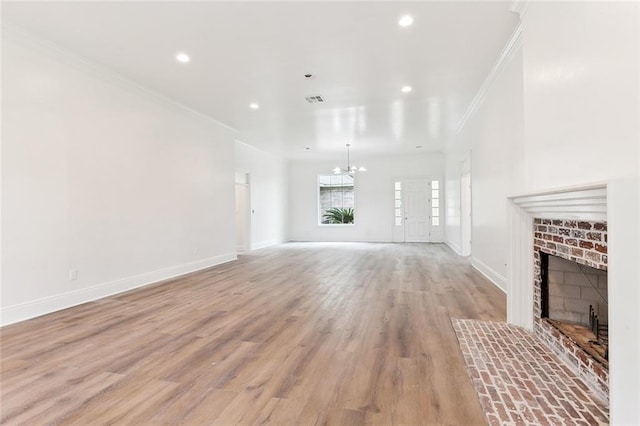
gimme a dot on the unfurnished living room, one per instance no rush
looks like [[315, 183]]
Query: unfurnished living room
[[320, 212]]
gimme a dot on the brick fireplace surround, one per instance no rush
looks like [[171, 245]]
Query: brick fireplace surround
[[616, 202], [583, 242]]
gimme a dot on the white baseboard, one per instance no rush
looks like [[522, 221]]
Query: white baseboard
[[499, 280], [267, 243], [35, 308], [345, 240], [453, 246]]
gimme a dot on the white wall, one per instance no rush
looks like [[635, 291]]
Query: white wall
[[579, 113], [581, 93], [102, 177], [268, 186], [457, 157], [581, 125], [374, 196], [453, 225], [493, 135]]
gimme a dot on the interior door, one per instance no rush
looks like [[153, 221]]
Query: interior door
[[416, 210]]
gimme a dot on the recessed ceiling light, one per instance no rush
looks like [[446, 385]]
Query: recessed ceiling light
[[182, 57], [405, 21], [406, 89], [254, 106]]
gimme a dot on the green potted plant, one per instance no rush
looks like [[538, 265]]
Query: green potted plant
[[338, 215]]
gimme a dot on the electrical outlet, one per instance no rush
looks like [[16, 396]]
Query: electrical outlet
[[196, 250], [73, 274]]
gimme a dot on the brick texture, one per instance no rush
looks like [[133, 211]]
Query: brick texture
[[560, 237], [520, 381], [582, 242]]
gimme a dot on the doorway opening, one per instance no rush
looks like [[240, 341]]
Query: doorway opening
[[574, 299], [243, 212], [465, 214]]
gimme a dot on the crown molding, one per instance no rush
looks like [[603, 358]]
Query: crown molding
[[15, 34], [520, 7], [513, 45]]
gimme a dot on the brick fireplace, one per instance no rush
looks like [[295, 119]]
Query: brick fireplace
[[616, 203], [570, 306], [570, 225]]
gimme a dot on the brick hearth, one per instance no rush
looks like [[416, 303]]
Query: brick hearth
[[519, 381]]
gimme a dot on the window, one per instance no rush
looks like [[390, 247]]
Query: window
[[435, 203], [335, 195], [398, 202]]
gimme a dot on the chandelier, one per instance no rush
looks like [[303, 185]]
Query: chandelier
[[349, 169]]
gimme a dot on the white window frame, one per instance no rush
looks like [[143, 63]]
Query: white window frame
[[319, 216], [397, 187]]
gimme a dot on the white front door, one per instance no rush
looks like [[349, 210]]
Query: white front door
[[421, 210], [416, 210]]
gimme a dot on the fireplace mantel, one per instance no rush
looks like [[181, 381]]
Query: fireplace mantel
[[588, 203]]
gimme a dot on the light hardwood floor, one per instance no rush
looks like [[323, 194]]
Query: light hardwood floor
[[299, 334]]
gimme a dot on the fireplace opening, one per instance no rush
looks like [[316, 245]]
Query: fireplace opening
[[562, 318], [574, 300]]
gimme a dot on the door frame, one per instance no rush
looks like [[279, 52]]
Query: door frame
[[398, 234], [243, 179], [466, 214], [466, 219]]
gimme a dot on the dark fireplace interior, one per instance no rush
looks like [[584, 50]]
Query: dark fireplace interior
[[574, 300]]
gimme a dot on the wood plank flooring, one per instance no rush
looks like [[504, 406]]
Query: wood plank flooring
[[298, 334]]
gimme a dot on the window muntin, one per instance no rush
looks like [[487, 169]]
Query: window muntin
[[398, 203], [435, 203], [336, 199]]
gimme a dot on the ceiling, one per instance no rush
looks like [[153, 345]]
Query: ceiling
[[258, 52]]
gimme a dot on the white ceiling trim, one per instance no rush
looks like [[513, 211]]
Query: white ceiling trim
[[18, 35], [513, 45], [261, 151]]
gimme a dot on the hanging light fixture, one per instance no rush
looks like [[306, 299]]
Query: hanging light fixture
[[349, 169]]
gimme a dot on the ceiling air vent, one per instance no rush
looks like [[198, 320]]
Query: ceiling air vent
[[314, 99]]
